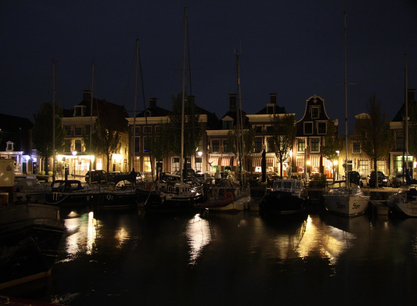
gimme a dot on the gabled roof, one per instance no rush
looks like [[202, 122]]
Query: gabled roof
[[232, 114], [9, 123], [314, 101], [155, 111], [278, 110]]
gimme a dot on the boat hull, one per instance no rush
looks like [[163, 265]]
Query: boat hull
[[346, 205], [281, 203], [70, 199], [29, 239], [117, 200]]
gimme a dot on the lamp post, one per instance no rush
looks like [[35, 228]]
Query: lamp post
[[337, 172], [74, 153]]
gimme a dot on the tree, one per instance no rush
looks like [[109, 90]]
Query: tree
[[248, 141], [283, 136], [42, 132], [107, 131], [332, 142], [375, 133], [158, 144], [192, 127]]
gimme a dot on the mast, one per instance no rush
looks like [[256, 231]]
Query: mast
[[183, 93], [346, 107], [239, 118], [53, 120], [406, 110], [91, 121], [132, 162]]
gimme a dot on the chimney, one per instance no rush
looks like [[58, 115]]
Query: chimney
[[86, 96], [152, 102], [273, 98], [411, 92], [232, 102]]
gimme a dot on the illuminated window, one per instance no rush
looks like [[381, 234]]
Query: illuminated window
[[146, 164], [301, 145], [315, 145]]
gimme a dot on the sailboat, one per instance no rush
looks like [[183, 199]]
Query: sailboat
[[179, 195], [347, 201], [226, 195]]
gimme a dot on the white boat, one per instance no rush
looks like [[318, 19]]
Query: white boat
[[348, 201], [29, 189], [404, 202]]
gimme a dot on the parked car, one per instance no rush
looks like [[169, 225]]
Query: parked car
[[382, 179], [355, 178], [398, 180], [97, 176]]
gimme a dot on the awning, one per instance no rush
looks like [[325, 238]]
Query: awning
[[315, 160], [299, 160], [256, 161], [226, 161]]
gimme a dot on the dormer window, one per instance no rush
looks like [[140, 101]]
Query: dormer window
[[270, 109], [9, 146], [148, 113], [227, 124], [315, 112], [79, 111]]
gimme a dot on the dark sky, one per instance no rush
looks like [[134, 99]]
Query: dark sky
[[294, 48]]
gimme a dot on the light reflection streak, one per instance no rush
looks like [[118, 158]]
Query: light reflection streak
[[329, 241], [121, 235], [199, 235], [82, 234]]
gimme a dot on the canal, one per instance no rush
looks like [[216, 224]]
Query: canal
[[133, 258]]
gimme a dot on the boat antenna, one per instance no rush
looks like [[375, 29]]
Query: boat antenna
[[91, 121]]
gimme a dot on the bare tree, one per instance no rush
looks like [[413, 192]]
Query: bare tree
[[375, 133], [283, 136], [333, 142]]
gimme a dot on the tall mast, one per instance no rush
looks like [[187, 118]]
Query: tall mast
[[239, 139], [406, 109], [132, 162], [183, 93], [346, 106], [91, 121], [53, 120]]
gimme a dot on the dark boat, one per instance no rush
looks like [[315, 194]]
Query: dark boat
[[29, 239], [117, 199], [286, 198], [71, 193]]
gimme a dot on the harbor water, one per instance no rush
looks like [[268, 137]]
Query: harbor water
[[134, 258]]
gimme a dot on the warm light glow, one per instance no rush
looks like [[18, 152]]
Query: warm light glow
[[74, 153], [117, 157], [335, 162], [199, 153], [199, 235], [308, 162]]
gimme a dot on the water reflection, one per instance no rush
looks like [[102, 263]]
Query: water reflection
[[81, 235], [199, 235]]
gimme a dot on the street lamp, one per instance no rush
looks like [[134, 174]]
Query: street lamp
[[74, 153]]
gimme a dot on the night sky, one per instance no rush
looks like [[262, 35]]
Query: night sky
[[293, 48]]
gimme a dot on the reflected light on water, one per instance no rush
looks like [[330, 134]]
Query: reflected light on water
[[121, 235], [199, 235], [82, 234], [330, 243]]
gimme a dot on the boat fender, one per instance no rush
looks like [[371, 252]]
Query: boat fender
[[228, 195]]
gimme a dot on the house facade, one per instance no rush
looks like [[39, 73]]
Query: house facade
[[75, 156]]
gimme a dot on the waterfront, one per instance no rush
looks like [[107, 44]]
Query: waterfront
[[130, 258]]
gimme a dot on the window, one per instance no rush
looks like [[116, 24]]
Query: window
[[146, 144], [399, 140], [363, 167], [78, 131], [137, 130], [269, 129], [322, 127], [137, 163], [258, 129], [215, 145], [157, 129], [315, 145], [258, 144], [137, 144], [227, 124], [270, 109], [67, 146], [198, 164], [147, 129], [147, 164], [308, 128], [175, 164], [68, 131], [315, 112], [78, 111], [270, 144], [78, 145], [226, 147], [356, 148], [301, 145]]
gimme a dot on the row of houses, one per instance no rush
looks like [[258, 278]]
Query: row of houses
[[213, 153]]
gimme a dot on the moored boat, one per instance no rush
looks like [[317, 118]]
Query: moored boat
[[117, 199], [29, 239], [70, 193], [404, 202], [348, 202], [286, 197]]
